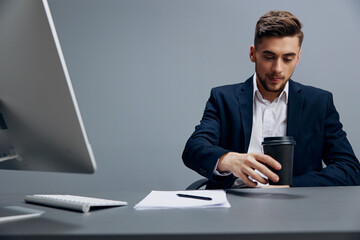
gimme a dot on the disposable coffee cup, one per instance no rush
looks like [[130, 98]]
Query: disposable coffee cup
[[282, 150]]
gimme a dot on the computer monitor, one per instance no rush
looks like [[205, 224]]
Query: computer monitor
[[41, 128]]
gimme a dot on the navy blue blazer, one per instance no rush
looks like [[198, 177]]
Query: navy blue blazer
[[311, 119]]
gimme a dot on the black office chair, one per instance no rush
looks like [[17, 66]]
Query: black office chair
[[198, 184]]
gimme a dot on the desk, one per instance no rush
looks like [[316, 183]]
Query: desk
[[295, 213]]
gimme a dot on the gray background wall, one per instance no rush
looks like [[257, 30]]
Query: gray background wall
[[142, 71]]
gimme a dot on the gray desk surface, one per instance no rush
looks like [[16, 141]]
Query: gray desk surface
[[295, 213]]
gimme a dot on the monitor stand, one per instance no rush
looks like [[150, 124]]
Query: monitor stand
[[2, 122], [9, 157], [11, 213], [5, 149]]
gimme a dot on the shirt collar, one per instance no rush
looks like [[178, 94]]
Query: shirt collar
[[283, 95]]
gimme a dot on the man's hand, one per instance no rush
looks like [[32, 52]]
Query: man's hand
[[243, 166]]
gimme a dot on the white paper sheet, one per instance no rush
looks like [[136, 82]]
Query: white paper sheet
[[169, 199]]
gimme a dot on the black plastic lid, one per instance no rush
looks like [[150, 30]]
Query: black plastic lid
[[279, 140]]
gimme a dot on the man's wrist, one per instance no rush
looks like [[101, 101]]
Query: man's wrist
[[222, 165], [218, 172]]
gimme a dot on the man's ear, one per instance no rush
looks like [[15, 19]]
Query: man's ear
[[252, 53]]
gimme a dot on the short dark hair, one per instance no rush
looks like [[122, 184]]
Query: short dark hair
[[278, 24]]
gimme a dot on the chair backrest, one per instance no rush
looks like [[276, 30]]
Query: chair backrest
[[197, 184]]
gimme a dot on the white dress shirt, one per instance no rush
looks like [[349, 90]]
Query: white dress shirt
[[269, 120]]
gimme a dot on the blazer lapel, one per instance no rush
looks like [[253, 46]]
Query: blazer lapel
[[295, 101], [245, 98]]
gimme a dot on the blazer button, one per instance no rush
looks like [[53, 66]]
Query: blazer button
[[202, 171]]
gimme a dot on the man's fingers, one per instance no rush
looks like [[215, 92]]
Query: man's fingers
[[257, 164], [266, 171], [243, 166], [266, 159], [247, 181], [250, 172]]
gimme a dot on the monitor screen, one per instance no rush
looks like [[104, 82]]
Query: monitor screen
[[41, 128]]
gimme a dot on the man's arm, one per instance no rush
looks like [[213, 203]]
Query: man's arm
[[203, 150], [343, 167]]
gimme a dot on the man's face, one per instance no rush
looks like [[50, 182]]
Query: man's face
[[275, 61]]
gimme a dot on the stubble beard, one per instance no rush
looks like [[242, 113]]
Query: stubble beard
[[271, 88]]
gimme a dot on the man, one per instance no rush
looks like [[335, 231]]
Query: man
[[226, 145]]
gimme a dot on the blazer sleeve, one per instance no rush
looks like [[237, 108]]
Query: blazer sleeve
[[202, 150], [342, 166]]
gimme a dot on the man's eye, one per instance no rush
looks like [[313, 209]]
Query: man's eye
[[288, 59], [268, 57]]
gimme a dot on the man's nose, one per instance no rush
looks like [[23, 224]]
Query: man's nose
[[277, 66]]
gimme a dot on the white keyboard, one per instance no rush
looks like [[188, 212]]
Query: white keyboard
[[77, 203]]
